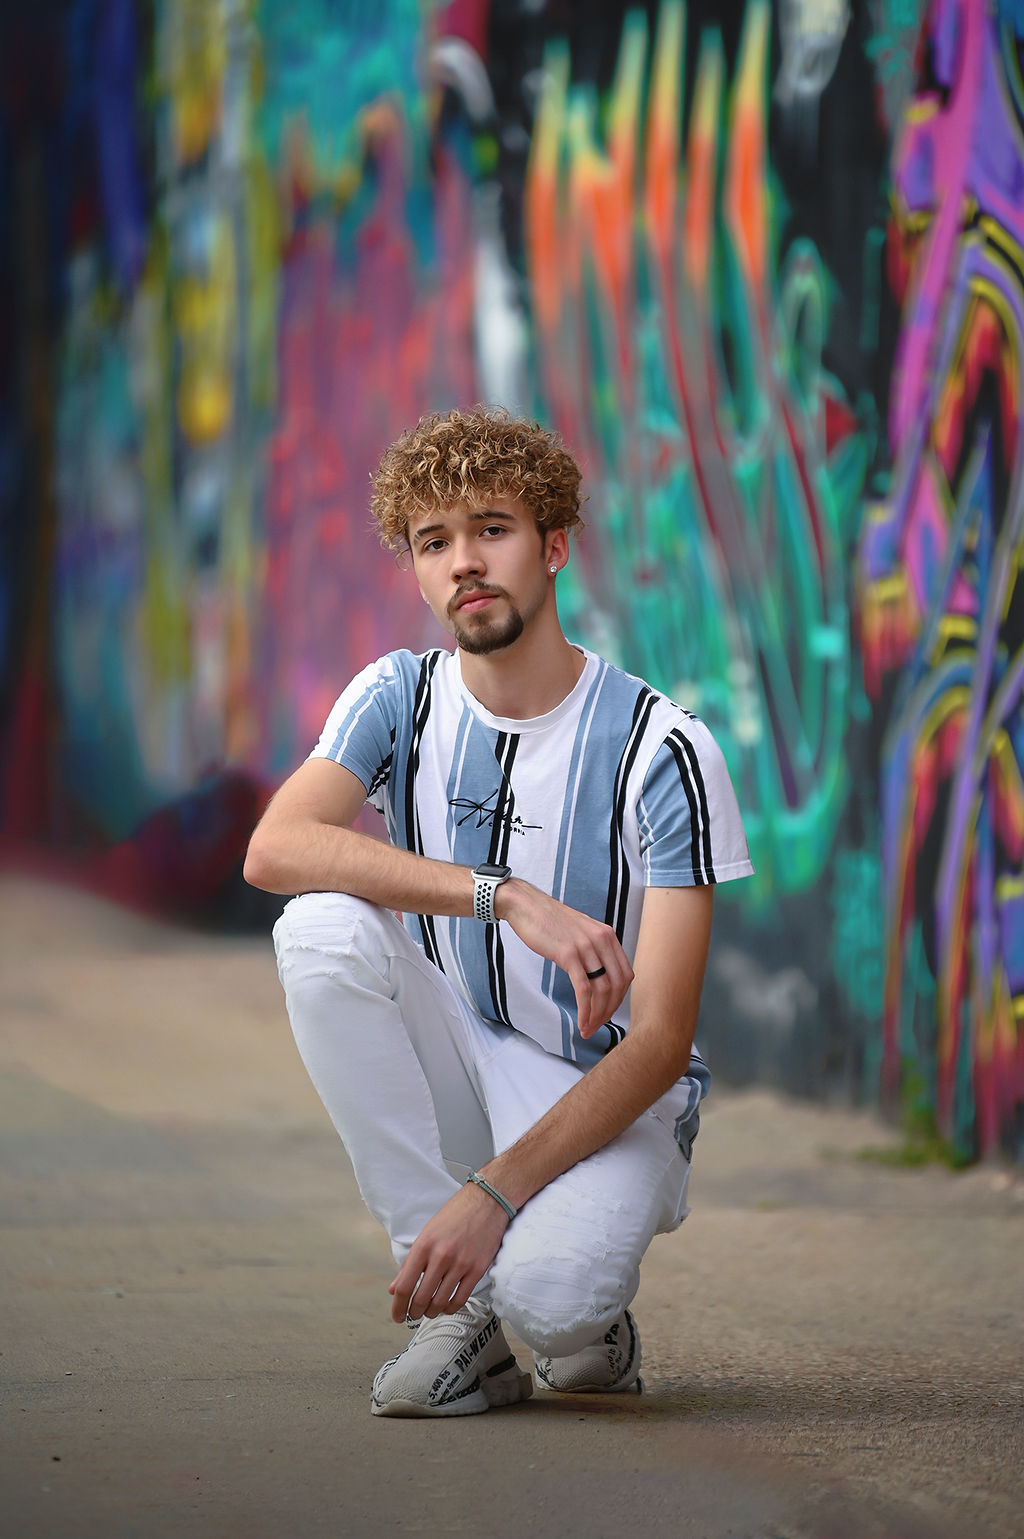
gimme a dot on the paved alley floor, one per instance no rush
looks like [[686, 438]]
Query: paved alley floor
[[192, 1299]]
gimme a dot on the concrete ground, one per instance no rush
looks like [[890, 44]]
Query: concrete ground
[[193, 1300]]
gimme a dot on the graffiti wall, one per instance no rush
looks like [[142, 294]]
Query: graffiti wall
[[938, 562], [763, 267]]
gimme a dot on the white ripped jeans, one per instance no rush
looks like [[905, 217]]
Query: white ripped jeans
[[422, 1091]]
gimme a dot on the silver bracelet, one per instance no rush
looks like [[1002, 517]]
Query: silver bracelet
[[489, 1189]]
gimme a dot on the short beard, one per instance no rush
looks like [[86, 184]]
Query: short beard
[[490, 638]]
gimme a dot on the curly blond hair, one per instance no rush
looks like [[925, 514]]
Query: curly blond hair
[[474, 456]]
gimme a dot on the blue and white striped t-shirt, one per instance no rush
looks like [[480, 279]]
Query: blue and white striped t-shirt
[[616, 789]]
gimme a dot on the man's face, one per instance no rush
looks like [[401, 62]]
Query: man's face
[[482, 568]]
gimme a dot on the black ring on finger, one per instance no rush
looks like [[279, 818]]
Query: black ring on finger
[[597, 973]]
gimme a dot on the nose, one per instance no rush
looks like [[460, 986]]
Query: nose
[[466, 558]]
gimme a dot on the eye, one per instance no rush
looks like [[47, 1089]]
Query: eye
[[431, 546], [493, 529]]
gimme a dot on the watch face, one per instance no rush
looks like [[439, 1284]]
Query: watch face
[[502, 871]]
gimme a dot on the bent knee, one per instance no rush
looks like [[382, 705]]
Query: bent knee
[[328, 922], [558, 1304], [552, 1330]]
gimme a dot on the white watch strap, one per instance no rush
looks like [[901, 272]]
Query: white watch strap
[[484, 888]]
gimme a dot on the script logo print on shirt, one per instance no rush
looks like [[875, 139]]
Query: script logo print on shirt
[[487, 812]]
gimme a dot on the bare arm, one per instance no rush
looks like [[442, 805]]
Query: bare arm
[[457, 1246], [305, 843]]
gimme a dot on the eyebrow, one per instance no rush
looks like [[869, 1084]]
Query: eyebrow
[[484, 515]]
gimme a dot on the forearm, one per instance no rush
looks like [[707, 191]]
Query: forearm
[[311, 856], [664, 1003], [597, 1109], [320, 857]]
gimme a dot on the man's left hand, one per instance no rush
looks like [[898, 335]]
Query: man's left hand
[[449, 1256]]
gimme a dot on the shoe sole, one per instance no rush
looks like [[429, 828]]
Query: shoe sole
[[636, 1388], [503, 1385]]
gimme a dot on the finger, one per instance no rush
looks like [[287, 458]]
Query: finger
[[597, 999], [597, 992], [581, 987], [440, 1304], [617, 975], [408, 1286], [586, 1013], [618, 971], [423, 1295], [462, 1293], [604, 950], [614, 997], [402, 1290], [405, 1278], [608, 990]]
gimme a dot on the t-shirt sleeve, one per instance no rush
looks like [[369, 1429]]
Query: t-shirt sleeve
[[691, 832], [360, 731]]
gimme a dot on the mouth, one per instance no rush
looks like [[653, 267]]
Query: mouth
[[476, 599]]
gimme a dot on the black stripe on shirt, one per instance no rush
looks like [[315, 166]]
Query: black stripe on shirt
[[413, 838], [380, 778], [505, 750], [705, 813], [618, 877], [615, 1035], [690, 774]]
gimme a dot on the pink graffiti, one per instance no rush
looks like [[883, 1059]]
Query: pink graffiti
[[365, 346]]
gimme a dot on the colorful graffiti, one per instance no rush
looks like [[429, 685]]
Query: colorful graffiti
[[941, 609], [727, 464], [228, 372], [277, 232], [375, 324]]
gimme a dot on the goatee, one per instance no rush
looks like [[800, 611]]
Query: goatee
[[490, 636]]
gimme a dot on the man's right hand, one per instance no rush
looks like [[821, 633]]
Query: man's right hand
[[574, 942]]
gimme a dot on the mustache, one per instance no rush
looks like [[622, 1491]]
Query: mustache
[[473, 587]]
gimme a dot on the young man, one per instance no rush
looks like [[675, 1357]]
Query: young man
[[512, 1073]]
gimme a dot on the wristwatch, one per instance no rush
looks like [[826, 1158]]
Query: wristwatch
[[486, 881]]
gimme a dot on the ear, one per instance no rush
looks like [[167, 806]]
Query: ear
[[556, 548]]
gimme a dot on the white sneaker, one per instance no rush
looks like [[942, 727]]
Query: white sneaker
[[456, 1365], [611, 1363]]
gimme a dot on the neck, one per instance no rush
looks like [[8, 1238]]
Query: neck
[[526, 679]]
